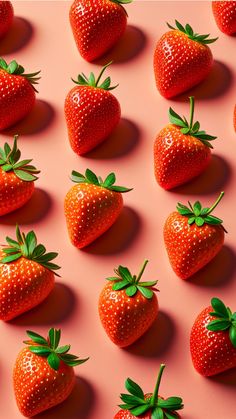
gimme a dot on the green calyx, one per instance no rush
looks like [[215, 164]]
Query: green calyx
[[26, 246], [187, 30], [121, 2], [50, 349], [190, 128], [136, 402], [131, 283], [92, 179], [225, 320], [15, 69], [198, 215], [83, 80], [9, 161]]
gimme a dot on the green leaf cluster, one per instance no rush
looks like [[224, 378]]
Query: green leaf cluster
[[188, 30], [15, 69], [91, 81], [9, 161], [91, 178], [225, 320]]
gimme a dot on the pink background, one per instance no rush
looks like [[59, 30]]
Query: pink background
[[44, 41]]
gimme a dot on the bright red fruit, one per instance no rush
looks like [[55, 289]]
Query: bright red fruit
[[92, 206], [136, 404], [127, 307], [193, 237], [6, 17], [181, 150], [43, 374], [213, 339], [225, 16], [91, 112], [182, 59], [97, 25], [26, 274], [16, 178], [17, 93]]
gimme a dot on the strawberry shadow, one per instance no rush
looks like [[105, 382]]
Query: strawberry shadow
[[78, 405], [18, 36], [119, 236], [218, 272], [57, 307], [156, 341], [226, 378], [213, 179], [217, 83], [41, 116], [33, 211], [127, 48], [123, 140]]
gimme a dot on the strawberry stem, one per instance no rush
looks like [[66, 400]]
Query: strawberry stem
[[191, 112], [141, 271], [101, 73], [156, 390], [216, 203]]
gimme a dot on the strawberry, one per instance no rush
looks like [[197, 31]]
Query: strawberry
[[17, 93], [181, 150], [92, 206], [43, 374], [91, 112], [136, 404], [6, 17], [193, 237], [225, 16], [213, 339], [26, 274], [16, 178], [97, 25], [182, 60], [127, 307]]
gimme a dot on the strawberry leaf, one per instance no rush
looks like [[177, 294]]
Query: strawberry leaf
[[232, 335], [134, 388], [53, 361]]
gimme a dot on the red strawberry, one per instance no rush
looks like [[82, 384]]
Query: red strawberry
[[6, 17], [97, 25], [43, 374], [16, 179], [92, 206], [213, 339], [193, 237], [182, 59], [26, 274], [91, 112], [17, 93], [127, 307], [136, 404], [225, 16], [181, 150]]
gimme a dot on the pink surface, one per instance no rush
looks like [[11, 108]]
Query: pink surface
[[48, 45]]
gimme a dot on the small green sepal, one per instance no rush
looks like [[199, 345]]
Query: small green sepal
[[91, 81], [188, 30], [91, 178], [224, 320], [15, 69]]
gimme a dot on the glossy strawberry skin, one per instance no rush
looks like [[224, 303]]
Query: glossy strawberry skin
[[6, 17], [97, 25], [190, 248], [91, 115], [211, 352], [14, 192], [180, 63], [178, 158], [125, 319], [17, 98], [90, 210], [23, 285], [37, 386], [225, 16]]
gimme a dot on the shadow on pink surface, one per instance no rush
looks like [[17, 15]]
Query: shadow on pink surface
[[128, 47], [18, 36], [213, 179], [78, 405], [33, 211], [39, 119], [119, 236], [216, 84], [59, 305], [218, 272], [123, 140], [225, 378], [156, 341]]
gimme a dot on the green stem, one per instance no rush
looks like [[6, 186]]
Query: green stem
[[216, 203], [191, 112], [141, 271], [156, 390], [100, 75]]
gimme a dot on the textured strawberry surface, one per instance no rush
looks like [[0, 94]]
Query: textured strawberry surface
[[225, 16]]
